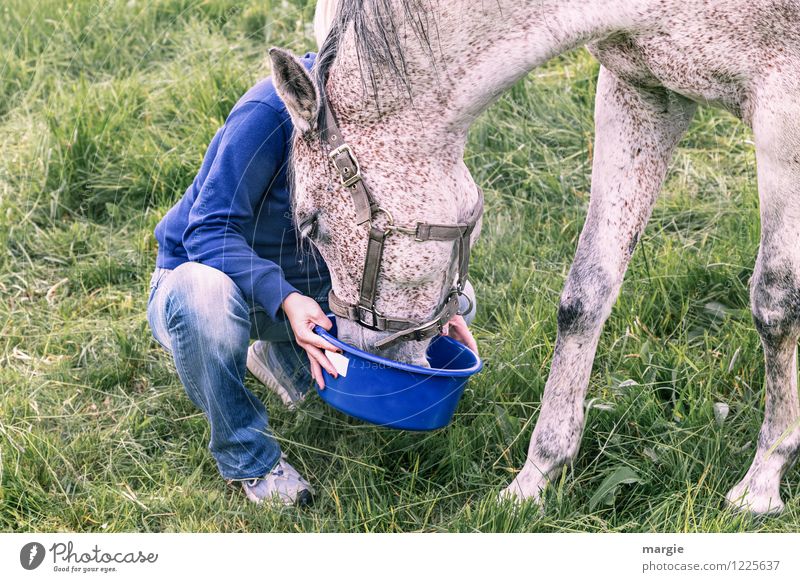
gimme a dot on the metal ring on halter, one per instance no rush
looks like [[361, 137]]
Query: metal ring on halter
[[461, 293], [390, 227]]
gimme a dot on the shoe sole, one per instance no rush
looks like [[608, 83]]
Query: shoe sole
[[264, 375], [304, 499]]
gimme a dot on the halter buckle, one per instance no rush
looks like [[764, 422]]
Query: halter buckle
[[356, 177], [372, 323]]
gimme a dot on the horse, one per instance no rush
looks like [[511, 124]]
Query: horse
[[404, 80]]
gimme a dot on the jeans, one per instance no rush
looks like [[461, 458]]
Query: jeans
[[199, 315]]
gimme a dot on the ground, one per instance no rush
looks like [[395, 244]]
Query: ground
[[105, 111]]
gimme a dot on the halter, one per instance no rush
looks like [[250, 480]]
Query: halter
[[364, 312]]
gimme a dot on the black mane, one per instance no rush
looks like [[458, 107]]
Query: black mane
[[379, 49], [380, 54]]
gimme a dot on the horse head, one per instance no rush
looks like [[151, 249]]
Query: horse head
[[385, 197]]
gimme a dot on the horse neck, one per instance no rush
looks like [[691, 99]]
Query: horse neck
[[475, 50]]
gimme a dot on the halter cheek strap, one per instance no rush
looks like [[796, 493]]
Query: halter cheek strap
[[364, 312], [346, 165]]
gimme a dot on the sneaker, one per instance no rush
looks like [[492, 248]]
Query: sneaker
[[283, 484], [258, 362]]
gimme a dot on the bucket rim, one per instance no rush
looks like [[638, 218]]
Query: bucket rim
[[452, 373]]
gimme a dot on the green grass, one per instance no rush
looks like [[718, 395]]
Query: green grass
[[105, 111]]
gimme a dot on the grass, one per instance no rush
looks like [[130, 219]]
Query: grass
[[106, 109]]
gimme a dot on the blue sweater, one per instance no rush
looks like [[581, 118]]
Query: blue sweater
[[236, 216]]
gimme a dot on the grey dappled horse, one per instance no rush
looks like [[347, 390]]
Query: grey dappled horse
[[405, 79]]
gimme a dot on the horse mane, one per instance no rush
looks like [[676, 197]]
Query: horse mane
[[377, 26], [379, 51]]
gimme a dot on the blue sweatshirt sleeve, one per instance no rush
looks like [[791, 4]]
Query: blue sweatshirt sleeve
[[249, 154]]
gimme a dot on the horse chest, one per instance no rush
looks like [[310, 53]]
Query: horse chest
[[706, 72]]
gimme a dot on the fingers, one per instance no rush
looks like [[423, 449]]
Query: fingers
[[301, 310], [469, 341], [316, 373], [323, 344], [316, 315], [318, 361], [310, 338], [321, 320], [458, 320], [315, 354], [472, 344], [303, 313], [460, 332]]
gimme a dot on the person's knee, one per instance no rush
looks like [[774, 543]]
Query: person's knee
[[206, 302]]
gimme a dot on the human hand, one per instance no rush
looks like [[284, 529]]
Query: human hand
[[457, 329], [303, 314]]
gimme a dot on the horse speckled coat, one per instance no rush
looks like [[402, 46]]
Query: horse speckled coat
[[407, 78]]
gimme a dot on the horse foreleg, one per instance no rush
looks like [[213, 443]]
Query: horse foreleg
[[636, 133], [775, 294]]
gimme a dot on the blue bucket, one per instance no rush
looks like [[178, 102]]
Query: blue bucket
[[397, 395]]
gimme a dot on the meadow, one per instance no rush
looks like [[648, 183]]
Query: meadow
[[105, 112]]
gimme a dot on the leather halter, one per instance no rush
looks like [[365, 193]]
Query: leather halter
[[364, 312]]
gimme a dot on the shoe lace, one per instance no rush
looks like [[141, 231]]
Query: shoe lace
[[279, 469]]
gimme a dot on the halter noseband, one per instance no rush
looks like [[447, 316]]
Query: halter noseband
[[364, 312]]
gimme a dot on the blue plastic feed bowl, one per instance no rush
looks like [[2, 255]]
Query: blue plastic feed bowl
[[394, 394]]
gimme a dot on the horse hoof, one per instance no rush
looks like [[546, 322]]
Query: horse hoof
[[741, 499], [517, 495]]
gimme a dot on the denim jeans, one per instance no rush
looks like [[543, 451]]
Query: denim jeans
[[199, 315]]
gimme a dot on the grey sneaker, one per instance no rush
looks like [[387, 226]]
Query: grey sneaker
[[259, 364], [283, 485]]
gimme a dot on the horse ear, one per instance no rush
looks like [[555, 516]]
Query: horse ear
[[296, 88]]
